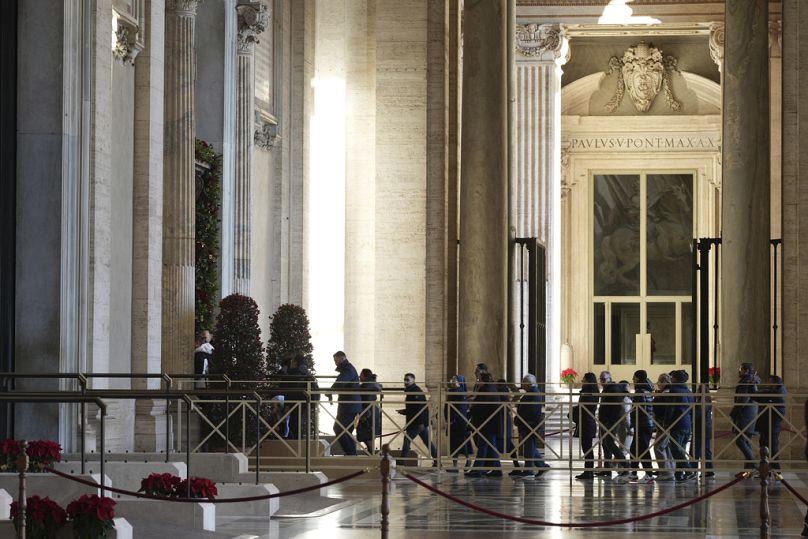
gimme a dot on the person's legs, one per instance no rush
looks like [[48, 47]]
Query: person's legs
[[344, 437], [745, 445], [424, 435], [678, 446], [409, 434]]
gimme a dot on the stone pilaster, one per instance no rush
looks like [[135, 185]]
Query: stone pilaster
[[746, 171], [482, 315], [541, 51], [147, 229], [253, 18], [179, 187]]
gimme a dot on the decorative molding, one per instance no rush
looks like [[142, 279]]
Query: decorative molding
[[542, 41], [127, 39], [182, 7], [604, 3], [643, 71], [266, 131], [717, 44], [253, 18]]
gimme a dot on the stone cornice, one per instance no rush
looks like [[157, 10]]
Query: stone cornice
[[542, 42], [253, 18]]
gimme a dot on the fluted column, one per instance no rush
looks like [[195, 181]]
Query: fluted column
[[253, 18], [541, 51], [482, 306], [745, 204], [179, 187]]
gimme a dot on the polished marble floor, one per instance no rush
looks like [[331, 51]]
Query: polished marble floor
[[417, 513]]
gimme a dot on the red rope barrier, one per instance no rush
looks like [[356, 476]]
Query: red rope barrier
[[740, 477], [792, 490], [206, 500]]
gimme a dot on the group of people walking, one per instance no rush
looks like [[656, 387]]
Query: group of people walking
[[662, 429], [657, 424]]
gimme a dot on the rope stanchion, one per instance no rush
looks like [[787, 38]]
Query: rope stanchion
[[545, 523], [764, 492], [791, 489], [384, 467], [206, 500]]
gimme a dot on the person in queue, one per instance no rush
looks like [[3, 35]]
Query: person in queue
[[642, 415], [662, 446], [456, 414], [772, 397], [681, 425], [369, 426], [417, 415], [744, 412], [587, 424], [529, 418], [348, 404], [610, 415], [486, 417]]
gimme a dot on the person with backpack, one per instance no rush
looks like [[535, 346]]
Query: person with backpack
[[642, 414]]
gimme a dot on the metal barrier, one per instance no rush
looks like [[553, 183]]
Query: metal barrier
[[298, 434]]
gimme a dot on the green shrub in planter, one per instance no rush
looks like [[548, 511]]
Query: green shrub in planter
[[288, 334]]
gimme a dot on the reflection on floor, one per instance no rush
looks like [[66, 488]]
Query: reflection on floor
[[417, 513]]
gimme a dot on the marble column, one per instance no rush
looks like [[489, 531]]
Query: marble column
[[541, 51], [253, 18], [482, 305], [745, 278], [179, 187]]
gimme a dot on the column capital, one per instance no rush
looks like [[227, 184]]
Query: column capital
[[717, 44], [182, 7], [253, 18], [542, 42]]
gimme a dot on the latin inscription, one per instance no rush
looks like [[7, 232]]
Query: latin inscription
[[644, 143]]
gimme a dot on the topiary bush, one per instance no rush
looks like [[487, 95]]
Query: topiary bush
[[288, 334], [238, 353]]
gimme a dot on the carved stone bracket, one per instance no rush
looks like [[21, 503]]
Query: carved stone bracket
[[266, 131], [775, 39], [542, 41], [127, 40], [253, 18], [717, 44], [644, 72]]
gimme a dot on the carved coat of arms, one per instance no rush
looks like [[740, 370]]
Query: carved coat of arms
[[644, 72]]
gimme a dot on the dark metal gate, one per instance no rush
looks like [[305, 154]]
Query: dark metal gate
[[531, 268]]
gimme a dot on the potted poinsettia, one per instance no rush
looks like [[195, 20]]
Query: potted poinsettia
[[160, 484], [92, 516], [568, 377], [44, 517], [41, 454], [200, 488]]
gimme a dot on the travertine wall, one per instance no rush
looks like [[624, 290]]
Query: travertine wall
[[400, 229]]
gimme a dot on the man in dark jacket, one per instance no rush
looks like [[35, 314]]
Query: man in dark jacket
[[528, 418], [745, 411], [610, 413], [417, 415], [681, 424], [642, 417], [348, 404]]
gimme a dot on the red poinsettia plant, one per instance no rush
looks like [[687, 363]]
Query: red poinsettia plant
[[160, 484], [92, 516], [568, 376], [171, 486], [45, 517], [200, 488], [41, 454], [714, 374]]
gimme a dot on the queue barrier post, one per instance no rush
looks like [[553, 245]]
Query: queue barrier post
[[384, 468], [764, 492], [22, 464]]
